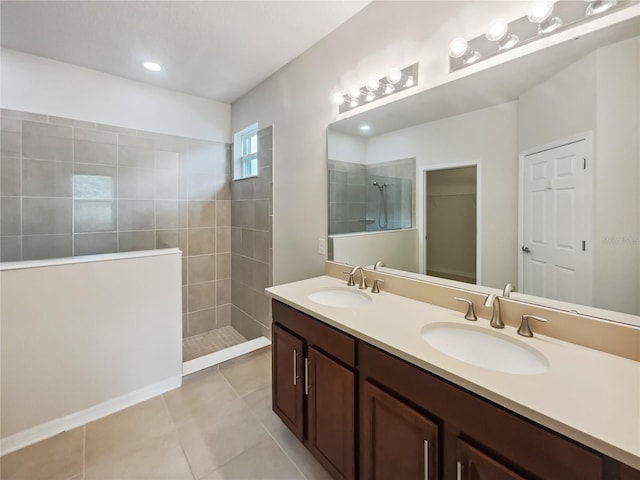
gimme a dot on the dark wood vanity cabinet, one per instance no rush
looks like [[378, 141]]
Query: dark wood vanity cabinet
[[396, 441], [314, 385], [410, 424]]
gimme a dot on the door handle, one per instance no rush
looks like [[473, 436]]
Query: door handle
[[458, 470], [526, 249], [306, 376], [295, 366], [426, 460]]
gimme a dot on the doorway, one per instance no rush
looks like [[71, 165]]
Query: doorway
[[451, 211], [556, 221]]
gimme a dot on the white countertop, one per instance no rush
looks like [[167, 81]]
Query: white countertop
[[587, 395]]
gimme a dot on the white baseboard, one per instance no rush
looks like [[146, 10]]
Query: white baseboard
[[220, 356], [49, 429]]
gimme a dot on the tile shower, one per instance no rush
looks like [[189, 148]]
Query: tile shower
[[72, 188]]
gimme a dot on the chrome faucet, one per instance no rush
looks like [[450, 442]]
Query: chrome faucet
[[351, 282], [493, 300]]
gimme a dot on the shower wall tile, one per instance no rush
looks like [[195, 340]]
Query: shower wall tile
[[136, 215], [10, 176], [72, 187], [10, 216], [10, 249], [46, 179], [202, 321], [94, 243], [46, 142], [36, 247], [41, 216], [134, 241]]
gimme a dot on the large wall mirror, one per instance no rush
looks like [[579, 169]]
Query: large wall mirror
[[527, 172]]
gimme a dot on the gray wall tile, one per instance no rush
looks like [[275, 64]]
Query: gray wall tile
[[167, 160], [202, 214], [167, 239], [47, 142], [7, 112], [201, 268], [167, 214], [223, 315], [223, 291], [46, 179], [94, 216], [46, 216], [94, 243], [166, 184], [202, 187], [95, 136], [85, 151], [132, 241], [136, 183], [223, 239], [10, 249], [11, 125], [35, 247], [136, 215], [202, 241], [201, 296], [10, 221], [223, 266], [135, 157], [202, 321], [10, 143], [10, 178]]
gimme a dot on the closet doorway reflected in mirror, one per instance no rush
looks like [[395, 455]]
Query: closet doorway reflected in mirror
[[451, 233]]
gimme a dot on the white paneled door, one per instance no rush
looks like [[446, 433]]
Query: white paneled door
[[557, 223]]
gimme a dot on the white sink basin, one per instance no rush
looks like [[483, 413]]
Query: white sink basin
[[484, 348], [340, 297]]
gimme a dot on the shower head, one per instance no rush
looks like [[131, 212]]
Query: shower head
[[380, 187]]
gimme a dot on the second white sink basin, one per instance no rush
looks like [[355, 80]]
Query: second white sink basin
[[340, 297], [484, 348]]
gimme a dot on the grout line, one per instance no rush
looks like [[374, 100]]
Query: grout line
[[175, 430]]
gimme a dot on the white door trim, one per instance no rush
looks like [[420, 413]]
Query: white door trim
[[587, 137], [422, 219]]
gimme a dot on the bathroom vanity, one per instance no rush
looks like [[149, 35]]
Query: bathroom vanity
[[365, 393]]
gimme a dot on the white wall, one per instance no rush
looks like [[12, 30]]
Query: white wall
[[83, 338], [297, 101], [398, 249], [488, 137], [346, 148], [39, 85]]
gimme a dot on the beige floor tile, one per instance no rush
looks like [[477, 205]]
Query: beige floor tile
[[265, 461], [199, 394], [59, 457], [163, 460], [130, 429], [249, 373], [214, 437], [259, 402]]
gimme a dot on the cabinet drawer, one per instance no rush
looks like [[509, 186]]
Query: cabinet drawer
[[326, 338], [533, 448]]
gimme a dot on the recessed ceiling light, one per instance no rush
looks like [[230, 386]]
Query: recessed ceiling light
[[153, 66], [364, 128]]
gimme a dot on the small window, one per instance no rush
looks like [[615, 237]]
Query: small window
[[246, 152]]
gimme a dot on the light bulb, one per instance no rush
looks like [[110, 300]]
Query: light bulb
[[599, 6], [458, 47], [389, 89], [354, 92], [540, 11], [338, 98], [394, 76], [353, 103], [364, 128], [497, 30], [153, 66], [370, 96], [542, 14], [372, 84], [409, 82]]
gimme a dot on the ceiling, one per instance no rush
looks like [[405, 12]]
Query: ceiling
[[213, 49]]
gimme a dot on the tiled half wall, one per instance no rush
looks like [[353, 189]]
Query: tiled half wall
[[77, 188]]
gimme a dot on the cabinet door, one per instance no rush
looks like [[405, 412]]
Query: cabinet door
[[472, 464], [396, 441], [288, 381], [331, 414]]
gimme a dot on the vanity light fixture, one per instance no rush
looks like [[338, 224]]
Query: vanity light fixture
[[541, 14], [544, 18], [153, 66], [394, 81], [365, 128]]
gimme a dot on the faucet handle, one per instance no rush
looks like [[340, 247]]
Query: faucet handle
[[375, 288], [350, 282], [524, 329], [471, 313]]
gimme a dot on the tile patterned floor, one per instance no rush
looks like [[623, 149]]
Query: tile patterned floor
[[218, 425], [209, 342]]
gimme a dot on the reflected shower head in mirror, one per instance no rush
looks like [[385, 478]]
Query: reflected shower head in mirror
[[380, 187]]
